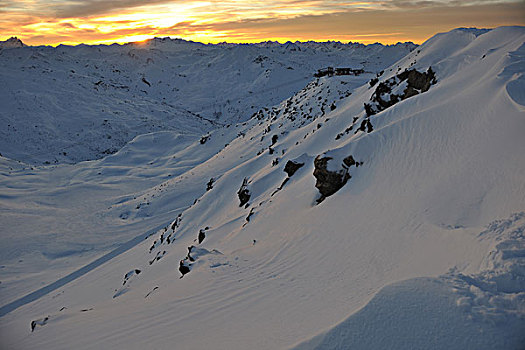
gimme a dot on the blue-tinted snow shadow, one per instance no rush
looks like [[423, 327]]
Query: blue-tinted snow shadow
[[4, 310]]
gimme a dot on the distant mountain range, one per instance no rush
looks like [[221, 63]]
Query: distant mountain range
[[85, 102]]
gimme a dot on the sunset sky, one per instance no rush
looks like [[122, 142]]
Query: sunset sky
[[52, 22]]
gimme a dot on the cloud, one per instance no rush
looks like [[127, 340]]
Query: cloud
[[423, 4], [87, 8], [232, 20], [67, 25], [415, 24]]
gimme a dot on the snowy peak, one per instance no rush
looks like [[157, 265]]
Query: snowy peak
[[474, 31], [12, 42]]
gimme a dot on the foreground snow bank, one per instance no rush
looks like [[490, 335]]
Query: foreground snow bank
[[455, 311]]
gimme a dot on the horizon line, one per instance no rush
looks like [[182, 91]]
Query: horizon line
[[277, 41], [280, 41]]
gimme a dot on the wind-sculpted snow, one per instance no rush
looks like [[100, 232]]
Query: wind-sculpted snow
[[514, 70], [247, 257], [162, 177], [485, 310]]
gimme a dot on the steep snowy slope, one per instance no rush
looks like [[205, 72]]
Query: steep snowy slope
[[72, 214], [68, 104], [370, 214]]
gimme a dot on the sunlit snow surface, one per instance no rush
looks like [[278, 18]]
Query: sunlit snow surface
[[422, 247]]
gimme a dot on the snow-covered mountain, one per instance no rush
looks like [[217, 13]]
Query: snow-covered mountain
[[69, 104], [10, 43], [381, 210]]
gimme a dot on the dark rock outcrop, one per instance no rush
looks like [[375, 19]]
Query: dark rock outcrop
[[329, 182], [39, 322], [349, 161], [130, 274], [189, 257], [209, 185], [366, 126], [291, 167], [244, 193], [176, 223], [249, 215], [183, 269], [417, 80], [383, 98], [146, 82]]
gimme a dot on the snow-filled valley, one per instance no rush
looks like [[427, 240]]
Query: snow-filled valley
[[380, 209], [73, 103]]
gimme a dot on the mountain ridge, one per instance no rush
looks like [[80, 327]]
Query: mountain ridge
[[98, 98], [267, 43]]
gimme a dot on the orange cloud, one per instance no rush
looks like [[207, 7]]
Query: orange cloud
[[99, 21]]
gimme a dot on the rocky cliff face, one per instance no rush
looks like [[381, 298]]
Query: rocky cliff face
[[398, 88]]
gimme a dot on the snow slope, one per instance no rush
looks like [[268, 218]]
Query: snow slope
[[72, 214], [422, 246], [452, 311], [69, 104]]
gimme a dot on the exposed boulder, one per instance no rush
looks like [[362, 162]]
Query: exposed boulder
[[39, 322], [366, 126], [157, 257], [202, 235], [244, 193], [189, 257], [146, 82], [209, 185], [176, 223], [249, 216], [330, 181], [291, 167], [183, 269], [131, 274], [349, 161]]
